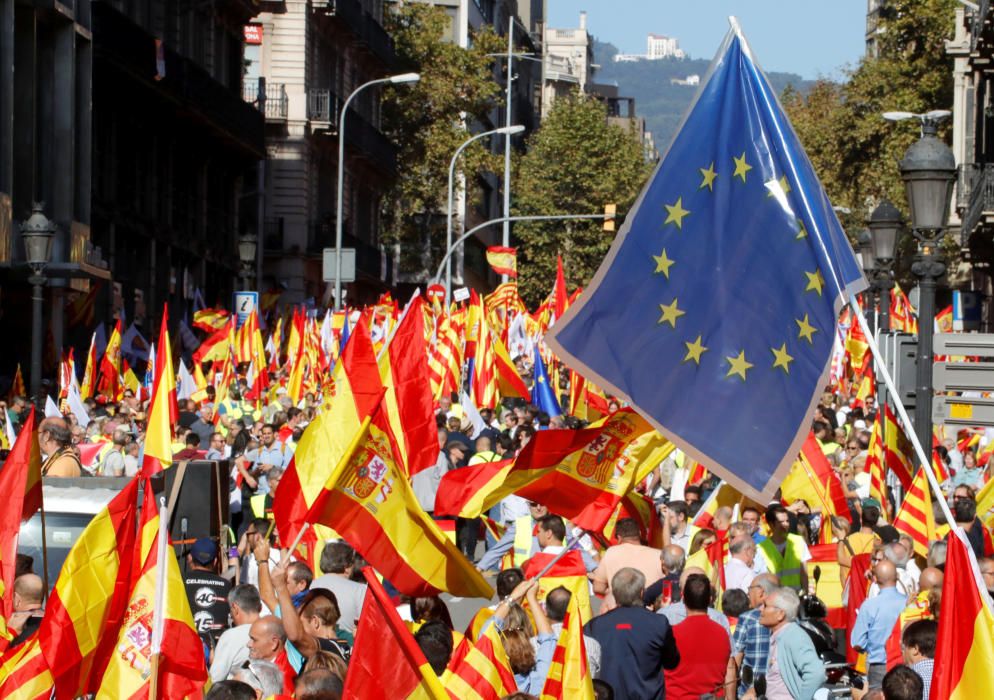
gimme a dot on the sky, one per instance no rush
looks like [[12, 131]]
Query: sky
[[807, 37]]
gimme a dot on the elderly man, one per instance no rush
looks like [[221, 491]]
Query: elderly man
[[55, 442], [677, 612], [636, 645], [267, 642], [739, 571], [232, 647], [794, 669], [751, 641], [264, 677], [667, 589], [875, 621]]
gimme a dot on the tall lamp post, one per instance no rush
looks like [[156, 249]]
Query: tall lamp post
[[865, 250], [38, 233], [392, 80], [247, 245], [507, 131], [929, 172], [884, 226]]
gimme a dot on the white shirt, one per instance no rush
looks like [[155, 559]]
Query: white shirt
[[513, 507], [230, 653], [738, 574], [252, 566]]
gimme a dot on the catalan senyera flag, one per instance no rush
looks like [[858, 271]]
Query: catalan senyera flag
[[87, 607], [158, 452], [326, 440], [579, 474], [915, 517], [24, 673], [479, 670], [964, 648], [408, 399], [20, 482], [503, 261], [369, 502], [386, 661], [445, 363], [89, 383], [897, 449], [813, 480], [182, 671], [569, 675], [110, 366], [484, 378]]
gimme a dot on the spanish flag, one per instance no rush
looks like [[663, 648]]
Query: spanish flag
[[20, 483], [445, 362], [210, 320], [569, 675], [504, 261], [327, 440], [110, 367], [915, 518], [88, 605], [17, 385], [158, 453], [813, 480], [369, 502], [386, 661], [409, 403], [964, 648], [181, 668], [569, 572], [480, 670], [90, 373]]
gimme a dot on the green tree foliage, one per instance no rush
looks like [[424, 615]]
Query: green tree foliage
[[428, 122], [854, 150], [575, 164]]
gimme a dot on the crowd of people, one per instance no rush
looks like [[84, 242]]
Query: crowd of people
[[655, 625]]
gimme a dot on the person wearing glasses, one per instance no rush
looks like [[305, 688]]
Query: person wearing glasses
[[751, 640], [793, 668]]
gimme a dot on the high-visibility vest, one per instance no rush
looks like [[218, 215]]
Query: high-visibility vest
[[524, 537], [788, 566], [258, 505]]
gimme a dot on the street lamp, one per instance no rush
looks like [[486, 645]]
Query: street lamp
[[929, 172], [867, 262], [247, 245], [38, 233], [507, 131], [885, 224], [392, 80]]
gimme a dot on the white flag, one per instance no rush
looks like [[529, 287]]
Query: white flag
[[77, 406], [187, 385], [474, 415], [51, 410]]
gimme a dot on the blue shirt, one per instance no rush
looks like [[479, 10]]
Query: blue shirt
[[275, 455], [875, 621], [752, 640]]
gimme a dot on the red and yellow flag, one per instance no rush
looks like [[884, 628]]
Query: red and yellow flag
[[158, 454], [964, 649], [408, 401], [110, 367], [210, 320], [813, 480], [17, 386], [89, 382], [480, 670], [569, 675], [20, 483], [327, 440], [24, 673], [503, 261], [902, 314], [445, 362], [182, 671], [915, 518], [386, 661], [367, 500], [569, 572]]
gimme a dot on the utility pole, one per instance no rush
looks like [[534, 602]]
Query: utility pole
[[506, 237]]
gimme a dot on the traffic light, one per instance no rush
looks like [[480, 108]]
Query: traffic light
[[610, 210]]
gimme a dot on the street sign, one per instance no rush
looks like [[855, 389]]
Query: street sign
[[966, 310], [971, 344], [436, 292], [245, 304], [963, 376], [898, 351], [461, 294], [328, 265], [960, 410]]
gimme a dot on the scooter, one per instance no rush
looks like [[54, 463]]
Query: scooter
[[841, 677]]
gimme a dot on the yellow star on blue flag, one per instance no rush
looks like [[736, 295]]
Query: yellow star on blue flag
[[731, 374]]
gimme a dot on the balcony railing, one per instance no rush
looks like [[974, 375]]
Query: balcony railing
[[323, 109], [366, 28], [269, 98], [322, 106], [981, 200]]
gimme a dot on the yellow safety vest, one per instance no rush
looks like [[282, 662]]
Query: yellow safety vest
[[523, 540], [788, 566], [258, 505]]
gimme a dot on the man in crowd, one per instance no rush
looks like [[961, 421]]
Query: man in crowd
[[751, 641], [28, 606], [629, 552], [232, 646], [677, 612], [338, 564], [739, 569], [206, 590], [793, 667], [785, 553], [666, 590], [918, 646], [556, 604], [705, 650], [876, 619], [519, 540], [267, 642], [55, 443], [676, 523], [636, 645]]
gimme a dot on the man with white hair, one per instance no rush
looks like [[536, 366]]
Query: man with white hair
[[264, 677], [793, 669], [739, 569]]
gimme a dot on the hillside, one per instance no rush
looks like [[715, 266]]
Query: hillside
[[661, 103]]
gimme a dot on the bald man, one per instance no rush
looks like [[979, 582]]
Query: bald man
[[876, 619], [267, 642], [55, 442], [29, 596]]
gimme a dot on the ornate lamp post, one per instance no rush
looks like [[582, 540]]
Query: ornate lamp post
[[247, 245], [38, 233]]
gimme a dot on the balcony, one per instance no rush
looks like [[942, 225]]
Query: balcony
[[366, 29], [980, 201], [269, 98], [323, 109]]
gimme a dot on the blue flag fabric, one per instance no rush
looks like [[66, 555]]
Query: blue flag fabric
[[543, 394], [714, 312]]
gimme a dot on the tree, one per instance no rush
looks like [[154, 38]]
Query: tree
[[574, 164], [428, 122], [853, 149]]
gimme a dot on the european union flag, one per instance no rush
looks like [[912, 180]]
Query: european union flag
[[543, 394], [714, 312]]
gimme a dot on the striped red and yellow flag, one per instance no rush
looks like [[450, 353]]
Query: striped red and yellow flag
[[110, 367], [480, 670], [876, 469], [24, 673], [509, 382], [503, 260], [964, 648], [569, 572], [87, 607], [386, 661], [210, 320], [569, 675], [89, 383], [484, 381], [17, 385], [327, 440], [902, 314], [367, 499], [182, 671], [409, 403], [445, 362], [897, 449], [158, 453], [915, 518], [813, 480]]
